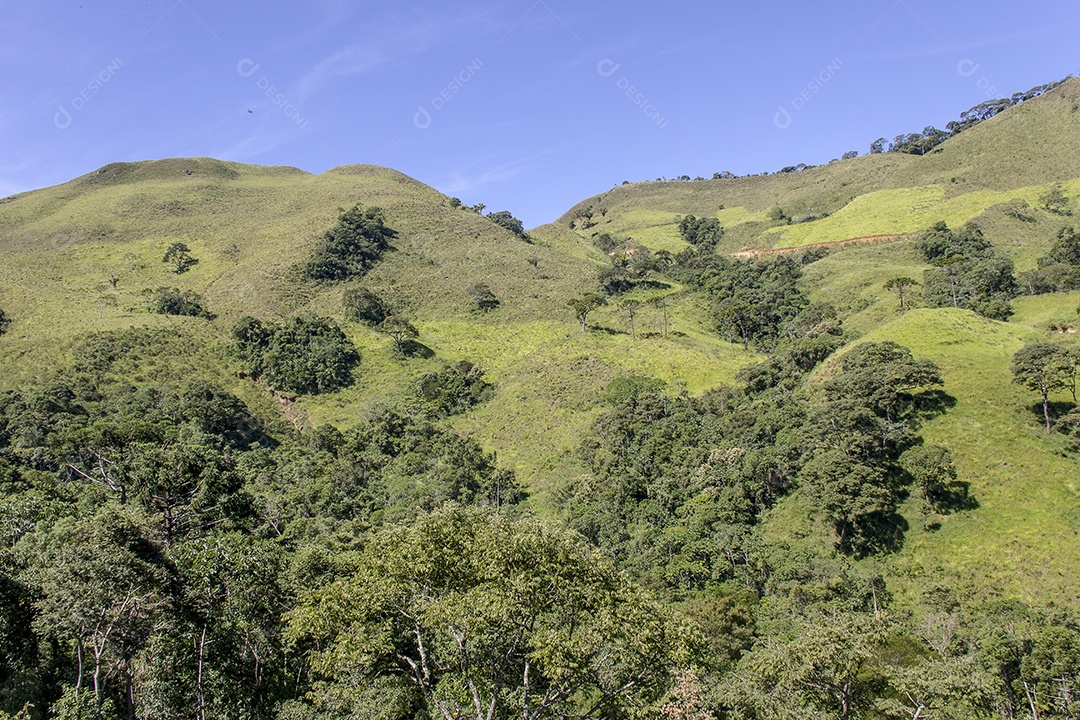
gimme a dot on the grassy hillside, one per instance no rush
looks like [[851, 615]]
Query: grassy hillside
[[85, 255], [1018, 153]]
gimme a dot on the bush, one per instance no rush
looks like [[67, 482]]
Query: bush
[[174, 301], [303, 355], [5, 321], [364, 306], [454, 389], [351, 247]]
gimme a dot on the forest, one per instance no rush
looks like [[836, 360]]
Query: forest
[[169, 553]]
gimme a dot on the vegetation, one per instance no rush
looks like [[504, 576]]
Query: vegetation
[[302, 355], [967, 273], [505, 220], [753, 490], [174, 301], [364, 306], [350, 248], [179, 255]]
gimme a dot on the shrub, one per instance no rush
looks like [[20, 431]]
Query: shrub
[[174, 301], [351, 247], [364, 306], [303, 355]]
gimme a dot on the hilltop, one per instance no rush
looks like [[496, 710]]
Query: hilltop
[[379, 423]]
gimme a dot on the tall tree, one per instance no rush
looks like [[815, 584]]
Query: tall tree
[[1044, 368], [470, 614]]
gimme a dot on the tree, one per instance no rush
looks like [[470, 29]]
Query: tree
[[364, 306], [934, 473], [1055, 201], [5, 322], [1044, 368], [850, 155], [818, 669], [878, 146], [308, 355], [351, 247], [899, 285], [101, 587], [504, 219], [470, 614], [398, 328], [179, 254], [174, 301], [584, 305], [484, 298], [631, 307]]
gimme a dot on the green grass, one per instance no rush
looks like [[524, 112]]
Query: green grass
[[249, 226]]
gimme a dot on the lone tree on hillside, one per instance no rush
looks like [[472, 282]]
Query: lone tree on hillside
[[484, 298], [584, 305], [179, 254], [900, 285], [505, 219], [364, 306], [400, 329], [4, 322], [1044, 368]]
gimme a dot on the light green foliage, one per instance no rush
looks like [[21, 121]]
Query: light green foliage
[[469, 614]]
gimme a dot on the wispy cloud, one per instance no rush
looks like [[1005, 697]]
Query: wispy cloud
[[477, 173]]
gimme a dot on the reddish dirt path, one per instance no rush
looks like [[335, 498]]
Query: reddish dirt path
[[867, 240]]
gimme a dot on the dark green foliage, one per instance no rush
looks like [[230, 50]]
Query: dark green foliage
[[454, 389], [1059, 270], [702, 233], [174, 301], [364, 306], [868, 419], [5, 322], [179, 254], [484, 298], [968, 273], [302, 355], [919, 143], [504, 219], [350, 248], [752, 300], [1055, 201]]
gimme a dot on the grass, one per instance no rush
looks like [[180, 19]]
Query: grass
[[61, 248]]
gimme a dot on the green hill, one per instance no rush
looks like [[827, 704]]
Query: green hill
[[728, 452]]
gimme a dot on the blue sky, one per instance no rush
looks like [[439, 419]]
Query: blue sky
[[525, 105]]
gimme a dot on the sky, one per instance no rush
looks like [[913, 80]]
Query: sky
[[523, 105]]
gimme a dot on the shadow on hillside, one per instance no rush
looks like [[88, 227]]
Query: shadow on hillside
[[1058, 410], [414, 349], [930, 404]]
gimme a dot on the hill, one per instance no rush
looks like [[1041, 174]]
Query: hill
[[627, 463]]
